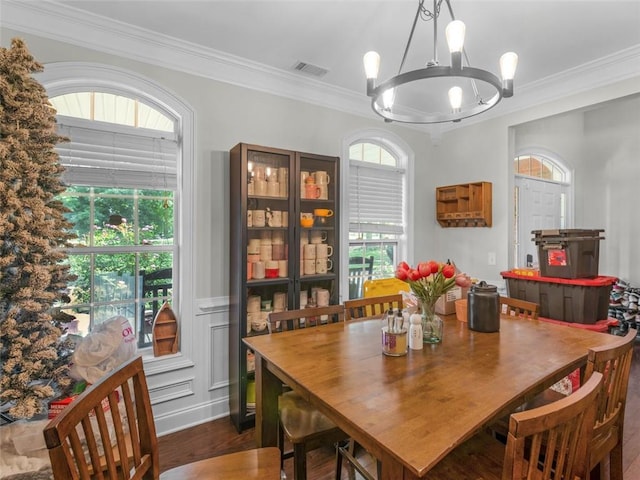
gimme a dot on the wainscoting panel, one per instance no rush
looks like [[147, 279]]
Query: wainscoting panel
[[193, 388]]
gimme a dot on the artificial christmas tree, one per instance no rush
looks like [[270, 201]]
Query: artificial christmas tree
[[33, 233]]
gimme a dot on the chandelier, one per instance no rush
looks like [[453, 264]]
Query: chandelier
[[470, 90]]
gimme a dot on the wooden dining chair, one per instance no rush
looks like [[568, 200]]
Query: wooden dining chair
[[301, 423], [614, 362], [371, 306], [519, 308], [549, 442], [108, 431]]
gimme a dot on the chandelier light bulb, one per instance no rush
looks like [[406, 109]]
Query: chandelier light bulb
[[508, 64], [455, 98], [455, 35], [371, 64]]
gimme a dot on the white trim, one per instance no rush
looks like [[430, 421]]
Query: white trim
[[57, 21], [65, 77]]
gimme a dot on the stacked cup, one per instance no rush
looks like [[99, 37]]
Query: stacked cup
[[255, 267], [322, 180], [321, 251], [308, 258], [273, 186], [255, 319]]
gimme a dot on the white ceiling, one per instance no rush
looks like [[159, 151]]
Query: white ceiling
[[551, 37]]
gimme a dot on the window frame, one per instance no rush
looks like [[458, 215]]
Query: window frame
[[399, 149], [68, 77]]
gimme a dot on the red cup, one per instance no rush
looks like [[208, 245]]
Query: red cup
[[271, 273]]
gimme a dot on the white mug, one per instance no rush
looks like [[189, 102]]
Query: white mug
[[273, 189], [304, 295], [309, 267], [283, 270], [316, 236], [254, 246], [259, 218], [266, 252], [279, 300], [253, 303], [323, 265], [303, 178], [251, 319], [323, 297], [259, 171], [258, 270], [324, 191], [283, 180], [260, 187], [321, 177], [323, 250], [309, 251], [274, 218]]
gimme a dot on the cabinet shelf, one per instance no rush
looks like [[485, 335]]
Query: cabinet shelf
[[464, 205]]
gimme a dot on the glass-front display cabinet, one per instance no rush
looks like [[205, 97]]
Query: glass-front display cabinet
[[284, 250]]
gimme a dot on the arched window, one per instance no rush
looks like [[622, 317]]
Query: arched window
[[377, 196], [539, 166], [123, 164]]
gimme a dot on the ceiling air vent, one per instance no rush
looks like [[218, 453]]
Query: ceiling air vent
[[310, 69]]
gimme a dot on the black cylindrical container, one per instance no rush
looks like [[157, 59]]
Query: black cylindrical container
[[483, 308]]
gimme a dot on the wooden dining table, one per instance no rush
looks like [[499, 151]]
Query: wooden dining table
[[409, 412]]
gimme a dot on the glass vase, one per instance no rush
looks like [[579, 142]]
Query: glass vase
[[432, 325]]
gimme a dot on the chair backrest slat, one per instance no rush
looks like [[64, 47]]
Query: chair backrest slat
[[371, 306], [91, 439], [519, 308], [304, 318], [614, 363], [551, 442]]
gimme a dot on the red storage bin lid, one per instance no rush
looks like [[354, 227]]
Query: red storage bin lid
[[600, 281]]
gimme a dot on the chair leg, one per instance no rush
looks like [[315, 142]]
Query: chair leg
[[615, 463], [281, 446], [299, 462], [338, 462]]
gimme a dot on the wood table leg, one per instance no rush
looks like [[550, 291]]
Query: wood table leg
[[268, 388]]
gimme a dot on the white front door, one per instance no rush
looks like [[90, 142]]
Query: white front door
[[541, 205]]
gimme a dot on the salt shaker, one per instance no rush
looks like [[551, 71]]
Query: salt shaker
[[415, 332]]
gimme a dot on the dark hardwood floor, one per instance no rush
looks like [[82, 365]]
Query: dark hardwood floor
[[219, 437]]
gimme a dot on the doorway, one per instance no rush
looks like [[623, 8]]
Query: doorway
[[541, 195]]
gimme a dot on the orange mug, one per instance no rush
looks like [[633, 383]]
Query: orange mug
[[311, 190]]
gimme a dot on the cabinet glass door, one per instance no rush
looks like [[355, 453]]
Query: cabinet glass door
[[318, 232]]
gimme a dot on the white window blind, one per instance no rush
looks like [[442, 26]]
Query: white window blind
[[376, 195], [105, 154]]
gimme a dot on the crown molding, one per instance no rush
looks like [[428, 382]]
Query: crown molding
[[56, 21]]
